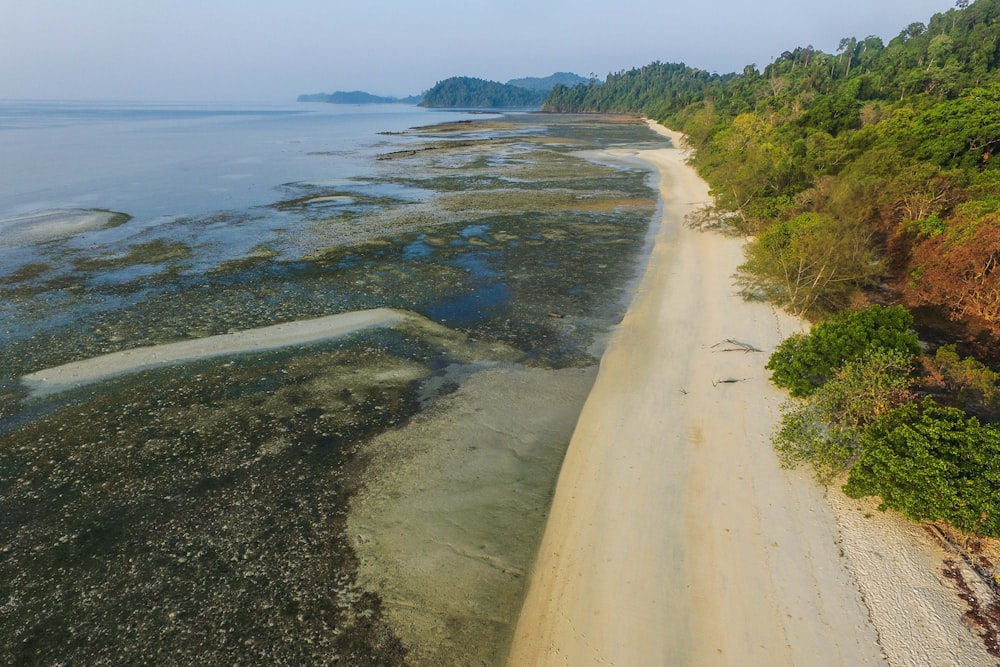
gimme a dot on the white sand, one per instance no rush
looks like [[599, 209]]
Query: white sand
[[674, 537], [78, 373], [44, 226]]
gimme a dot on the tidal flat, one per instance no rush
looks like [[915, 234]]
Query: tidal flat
[[372, 500]]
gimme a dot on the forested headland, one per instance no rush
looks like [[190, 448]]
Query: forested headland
[[463, 92], [868, 184], [356, 97]]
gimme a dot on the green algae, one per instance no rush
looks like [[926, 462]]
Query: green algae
[[157, 251]]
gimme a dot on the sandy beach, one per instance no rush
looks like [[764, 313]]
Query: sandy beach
[[676, 539]]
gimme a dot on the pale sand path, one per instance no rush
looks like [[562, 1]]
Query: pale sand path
[[87, 371], [674, 537], [45, 226]]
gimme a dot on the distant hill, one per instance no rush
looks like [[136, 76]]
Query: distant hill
[[547, 83], [357, 97], [463, 92]]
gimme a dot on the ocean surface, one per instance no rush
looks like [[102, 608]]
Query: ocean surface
[[158, 161], [199, 512]]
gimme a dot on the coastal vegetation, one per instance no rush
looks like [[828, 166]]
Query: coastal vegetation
[[863, 176], [887, 148], [470, 92], [864, 411], [547, 83]]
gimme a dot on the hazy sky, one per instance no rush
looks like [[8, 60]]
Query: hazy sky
[[272, 50]]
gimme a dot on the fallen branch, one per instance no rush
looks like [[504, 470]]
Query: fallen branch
[[716, 383], [737, 346]]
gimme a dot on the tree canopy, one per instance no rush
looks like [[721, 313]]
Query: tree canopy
[[471, 93], [803, 363], [890, 148], [933, 463]]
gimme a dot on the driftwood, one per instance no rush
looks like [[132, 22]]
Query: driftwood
[[736, 346], [729, 380]]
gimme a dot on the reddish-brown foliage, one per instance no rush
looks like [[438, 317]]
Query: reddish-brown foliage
[[959, 270]]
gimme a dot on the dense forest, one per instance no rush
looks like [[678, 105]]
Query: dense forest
[[547, 83], [463, 92], [868, 184], [888, 149]]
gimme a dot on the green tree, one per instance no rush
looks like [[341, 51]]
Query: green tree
[[804, 362], [810, 264], [825, 428], [463, 91], [932, 463], [970, 384]]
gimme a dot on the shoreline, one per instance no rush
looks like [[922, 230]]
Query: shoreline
[[674, 536]]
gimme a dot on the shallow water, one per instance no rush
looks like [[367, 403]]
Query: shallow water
[[198, 511]]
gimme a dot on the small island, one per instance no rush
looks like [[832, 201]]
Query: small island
[[463, 92]]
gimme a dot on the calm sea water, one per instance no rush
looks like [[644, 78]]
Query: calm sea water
[[207, 181], [151, 160]]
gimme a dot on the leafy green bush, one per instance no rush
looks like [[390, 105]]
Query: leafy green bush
[[804, 362], [825, 429], [932, 463]]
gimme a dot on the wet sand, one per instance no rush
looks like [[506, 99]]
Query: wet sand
[[452, 508], [44, 226], [674, 537]]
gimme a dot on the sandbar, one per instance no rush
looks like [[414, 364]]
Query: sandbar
[[50, 225], [87, 371]]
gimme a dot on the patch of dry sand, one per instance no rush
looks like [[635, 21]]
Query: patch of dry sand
[[87, 371]]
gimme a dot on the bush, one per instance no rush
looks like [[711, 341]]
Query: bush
[[825, 429], [804, 362], [970, 384], [932, 463], [810, 264]]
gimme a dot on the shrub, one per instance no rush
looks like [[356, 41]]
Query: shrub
[[970, 384], [932, 463], [825, 429], [804, 362]]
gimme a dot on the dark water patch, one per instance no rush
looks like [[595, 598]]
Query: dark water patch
[[480, 265], [473, 308], [476, 231], [417, 249]]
